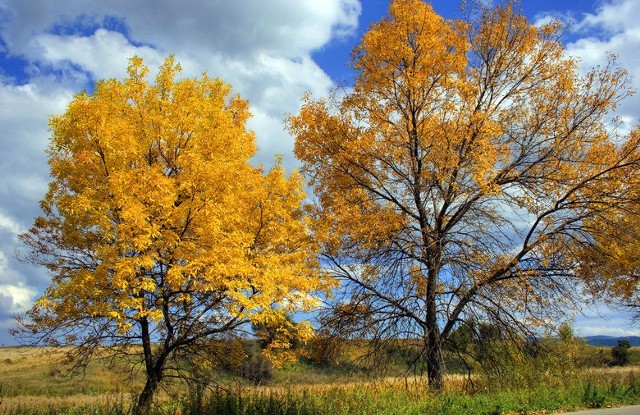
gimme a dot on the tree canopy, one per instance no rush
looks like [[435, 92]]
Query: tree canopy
[[463, 175], [157, 230]]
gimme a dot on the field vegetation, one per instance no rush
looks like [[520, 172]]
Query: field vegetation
[[551, 376]]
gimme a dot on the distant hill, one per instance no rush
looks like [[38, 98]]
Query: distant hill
[[611, 340]]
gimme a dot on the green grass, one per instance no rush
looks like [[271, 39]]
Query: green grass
[[592, 390]]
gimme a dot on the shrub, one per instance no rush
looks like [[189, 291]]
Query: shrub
[[620, 353], [258, 369], [591, 396], [324, 350]]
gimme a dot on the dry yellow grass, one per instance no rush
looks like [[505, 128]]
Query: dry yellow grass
[[615, 370], [32, 378], [13, 404], [32, 382], [36, 371]]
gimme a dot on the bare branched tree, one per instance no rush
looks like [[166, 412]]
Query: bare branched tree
[[463, 176]]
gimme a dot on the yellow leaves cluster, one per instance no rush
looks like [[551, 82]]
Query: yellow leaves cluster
[[408, 48], [280, 334], [610, 263], [154, 191]]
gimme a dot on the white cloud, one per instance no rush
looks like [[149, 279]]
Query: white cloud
[[10, 225], [24, 112], [262, 48], [612, 16], [16, 298], [606, 330], [544, 19], [237, 29], [600, 319], [612, 29], [103, 54], [15, 294]]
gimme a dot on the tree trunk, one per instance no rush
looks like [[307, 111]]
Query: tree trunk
[[153, 371], [434, 363], [434, 346], [146, 396]]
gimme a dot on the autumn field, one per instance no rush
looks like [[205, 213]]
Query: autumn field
[[34, 382]]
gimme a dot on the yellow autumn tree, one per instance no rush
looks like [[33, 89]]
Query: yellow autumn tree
[[611, 263], [157, 230], [457, 180]]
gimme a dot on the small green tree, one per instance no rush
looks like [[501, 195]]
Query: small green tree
[[462, 337], [565, 332], [487, 336], [620, 353]]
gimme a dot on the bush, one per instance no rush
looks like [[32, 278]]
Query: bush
[[324, 350], [591, 396], [258, 369], [282, 328], [620, 353]]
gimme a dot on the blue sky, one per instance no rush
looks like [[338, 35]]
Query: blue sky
[[270, 51]]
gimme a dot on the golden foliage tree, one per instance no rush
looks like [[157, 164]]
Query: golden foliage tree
[[611, 262], [158, 231], [460, 176]]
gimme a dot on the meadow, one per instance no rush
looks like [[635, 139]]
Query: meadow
[[34, 382]]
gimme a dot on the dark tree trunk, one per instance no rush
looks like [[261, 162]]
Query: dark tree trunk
[[146, 396], [434, 347], [434, 363], [153, 369]]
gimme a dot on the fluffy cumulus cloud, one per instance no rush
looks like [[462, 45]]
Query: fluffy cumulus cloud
[[262, 48], [15, 294], [611, 29]]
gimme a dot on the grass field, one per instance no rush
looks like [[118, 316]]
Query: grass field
[[32, 382]]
